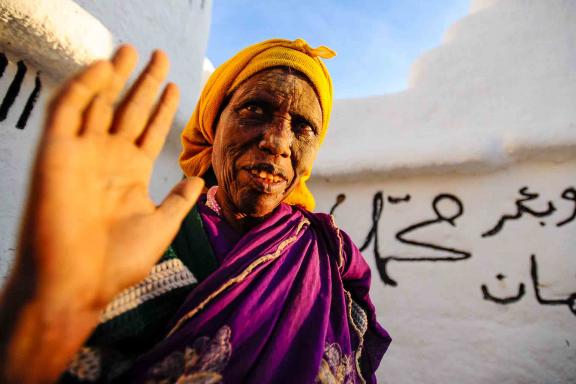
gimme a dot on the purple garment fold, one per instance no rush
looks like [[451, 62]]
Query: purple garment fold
[[288, 304]]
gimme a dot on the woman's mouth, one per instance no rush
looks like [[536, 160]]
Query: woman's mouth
[[267, 182], [270, 178]]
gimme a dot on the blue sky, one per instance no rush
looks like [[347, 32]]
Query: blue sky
[[376, 40]]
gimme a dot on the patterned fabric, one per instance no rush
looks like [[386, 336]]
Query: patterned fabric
[[294, 292], [211, 201], [286, 302], [200, 363], [86, 365], [335, 367], [165, 277], [359, 318], [136, 319]]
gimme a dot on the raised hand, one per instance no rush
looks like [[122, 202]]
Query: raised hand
[[90, 228]]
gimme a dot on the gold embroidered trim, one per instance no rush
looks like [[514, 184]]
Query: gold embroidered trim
[[239, 278], [335, 366], [201, 362], [340, 241], [360, 336]]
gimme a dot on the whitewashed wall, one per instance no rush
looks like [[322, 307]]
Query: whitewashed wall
[[488, 113], [485, 134], [52, 39]]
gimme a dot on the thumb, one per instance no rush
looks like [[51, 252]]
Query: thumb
[[159, 229], [179, 201]]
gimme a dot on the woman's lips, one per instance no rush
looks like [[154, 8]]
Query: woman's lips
[[267, 182], [266, 176]]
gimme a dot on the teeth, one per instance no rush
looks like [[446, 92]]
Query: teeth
[[266, 176]]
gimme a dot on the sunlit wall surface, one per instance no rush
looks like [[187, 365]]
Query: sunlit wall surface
[[43, 42], [461, 191]]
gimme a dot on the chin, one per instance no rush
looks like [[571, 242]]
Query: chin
[[259, 205]]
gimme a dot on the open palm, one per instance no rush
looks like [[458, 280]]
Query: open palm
[[91, 226]]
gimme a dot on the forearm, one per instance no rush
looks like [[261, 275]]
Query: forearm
[[39, 333]]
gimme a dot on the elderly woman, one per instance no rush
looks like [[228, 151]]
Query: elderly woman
[[253, 287]]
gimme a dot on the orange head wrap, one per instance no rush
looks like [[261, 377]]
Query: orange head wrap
[[198, 136]]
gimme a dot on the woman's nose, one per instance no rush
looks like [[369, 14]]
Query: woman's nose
[[277, 138]]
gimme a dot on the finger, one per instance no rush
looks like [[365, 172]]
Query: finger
[[163, 224], [178, 203], [65, 112], [98, 116], [135, 110], [124, 62], [153, 138]]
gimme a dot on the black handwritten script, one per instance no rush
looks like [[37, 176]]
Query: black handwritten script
[[339, 200], [569, 301], [503, 300], [569, 194], [523, 210], [441, 216], [447, 209], [14, 90]]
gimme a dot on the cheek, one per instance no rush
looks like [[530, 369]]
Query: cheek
[[223, 163], [303, 157], [218, 162]]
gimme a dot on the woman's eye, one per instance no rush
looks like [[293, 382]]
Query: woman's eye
[[254, 108], [304, 128]]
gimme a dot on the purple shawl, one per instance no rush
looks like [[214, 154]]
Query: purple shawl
[[288, 304]]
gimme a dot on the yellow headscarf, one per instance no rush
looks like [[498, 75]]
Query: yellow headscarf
[[198, 136]]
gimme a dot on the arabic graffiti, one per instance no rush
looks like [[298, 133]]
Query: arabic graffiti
[[503, 300], [570, 301], [443, 215], [339, 200], [447, 210], [396, 200], [372, 237], [570, 195], [14, 90], [522, 209]]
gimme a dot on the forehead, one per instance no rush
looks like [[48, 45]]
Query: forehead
[[280, 85]]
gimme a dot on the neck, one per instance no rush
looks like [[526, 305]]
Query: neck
[[240, 221]]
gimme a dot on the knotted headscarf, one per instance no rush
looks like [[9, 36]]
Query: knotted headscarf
[[198, 136]]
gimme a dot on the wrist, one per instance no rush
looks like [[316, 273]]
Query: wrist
[[40, 331]]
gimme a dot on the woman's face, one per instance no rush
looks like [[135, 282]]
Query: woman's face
[[267, 138]]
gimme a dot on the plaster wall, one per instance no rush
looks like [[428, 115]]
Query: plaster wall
[[486, 129], [44, 42], [466, 182], [457, 292]]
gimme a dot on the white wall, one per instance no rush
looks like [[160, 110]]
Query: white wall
[[488, 112], [54, 39]]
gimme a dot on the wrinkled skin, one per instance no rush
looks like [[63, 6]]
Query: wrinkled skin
[[91, 228], [271, 124]]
